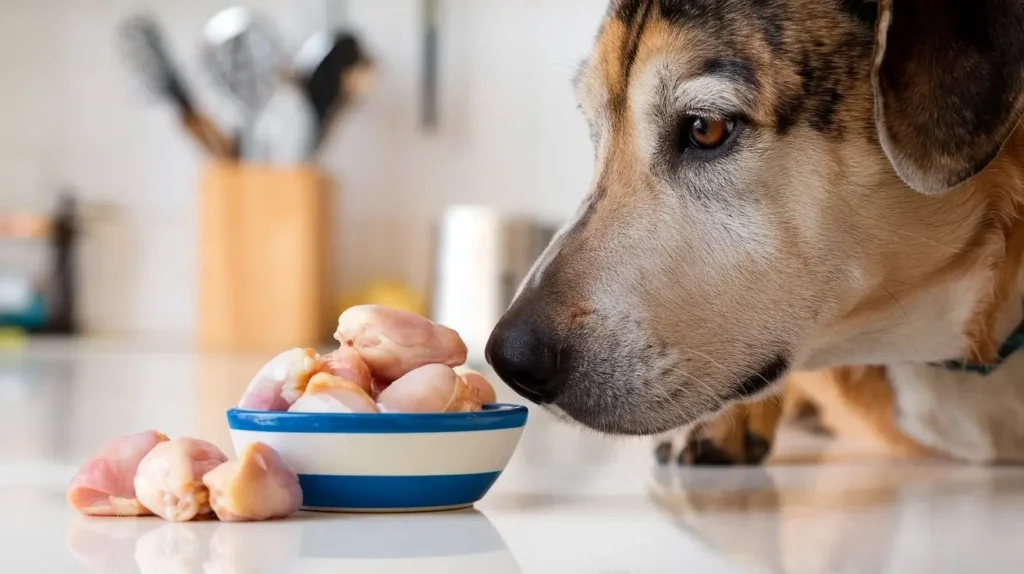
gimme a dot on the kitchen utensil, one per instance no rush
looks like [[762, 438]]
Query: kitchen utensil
[[143, 47], [332, 70], [481, 259], [393, 462], [431, 23], [244, 56], [287, 124]]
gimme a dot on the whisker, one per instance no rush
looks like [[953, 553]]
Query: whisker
[[736, 378], [712, 394]]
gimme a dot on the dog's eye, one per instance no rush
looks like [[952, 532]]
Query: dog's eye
[[707, 133]]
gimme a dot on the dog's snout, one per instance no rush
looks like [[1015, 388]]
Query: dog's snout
[[527, 356]]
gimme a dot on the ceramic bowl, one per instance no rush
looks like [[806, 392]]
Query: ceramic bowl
[[388, 462]]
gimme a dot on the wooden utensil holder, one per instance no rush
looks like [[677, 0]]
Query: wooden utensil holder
[[264, 253]]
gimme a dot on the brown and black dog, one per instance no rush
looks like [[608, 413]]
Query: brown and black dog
[[786, 187]]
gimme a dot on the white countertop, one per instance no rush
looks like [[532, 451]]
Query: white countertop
[[570, 501]]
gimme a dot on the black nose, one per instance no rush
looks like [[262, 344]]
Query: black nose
[[527, 357]]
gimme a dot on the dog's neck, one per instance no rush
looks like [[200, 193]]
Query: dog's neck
[[960, 412], [963, 311], [929, 328]]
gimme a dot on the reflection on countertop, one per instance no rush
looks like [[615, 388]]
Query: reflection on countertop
[[462, 541], [863, 517]]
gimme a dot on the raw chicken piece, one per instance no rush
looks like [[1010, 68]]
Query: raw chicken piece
[[481, 385], [169, 480], [393, 342], [429, 389], [377, 387], [257, 486], [281, 381], [104, 485], [329, 394], [347, 364]]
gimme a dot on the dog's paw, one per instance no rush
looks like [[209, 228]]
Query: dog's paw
[[743, 434], [732, 447]]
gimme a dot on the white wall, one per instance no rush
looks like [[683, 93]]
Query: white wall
[[510, 136]]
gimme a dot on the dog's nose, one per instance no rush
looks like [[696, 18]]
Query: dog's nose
[[526, 357]]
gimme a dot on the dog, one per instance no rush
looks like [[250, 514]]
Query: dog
[[822, 196]]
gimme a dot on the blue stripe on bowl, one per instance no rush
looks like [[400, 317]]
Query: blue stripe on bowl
[[394, 492], [493, 417]]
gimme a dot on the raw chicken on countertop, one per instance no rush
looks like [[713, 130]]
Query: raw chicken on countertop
[[257, 486], [169, 481], [105, 484]]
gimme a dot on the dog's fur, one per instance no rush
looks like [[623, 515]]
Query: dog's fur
[[866, 211]]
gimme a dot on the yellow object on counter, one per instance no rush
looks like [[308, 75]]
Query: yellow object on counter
[[12, 338], [388, 294]]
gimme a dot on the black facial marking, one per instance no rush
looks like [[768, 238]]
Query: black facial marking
[[787, 113], [831, 57], [687, 12], [732, 69], [824, 117], [719, 18], [767, 375], [864, 10], [828, 71], [637, 21], [773, 26], [626, 10]]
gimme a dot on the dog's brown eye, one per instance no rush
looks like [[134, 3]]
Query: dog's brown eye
[[707, 133]]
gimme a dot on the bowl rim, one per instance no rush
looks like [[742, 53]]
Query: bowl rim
[[496, 416]]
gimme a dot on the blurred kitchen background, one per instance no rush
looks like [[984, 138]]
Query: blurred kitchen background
[[169, 219], [82, 120]]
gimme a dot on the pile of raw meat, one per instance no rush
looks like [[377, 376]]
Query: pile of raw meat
[[183, 479], [389, 362]]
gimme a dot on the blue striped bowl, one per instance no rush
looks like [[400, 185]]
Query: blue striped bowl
[[388, 462]]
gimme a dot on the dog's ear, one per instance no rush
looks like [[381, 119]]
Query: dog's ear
[[948, 78]]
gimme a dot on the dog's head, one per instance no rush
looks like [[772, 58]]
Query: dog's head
[[767, 176]]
